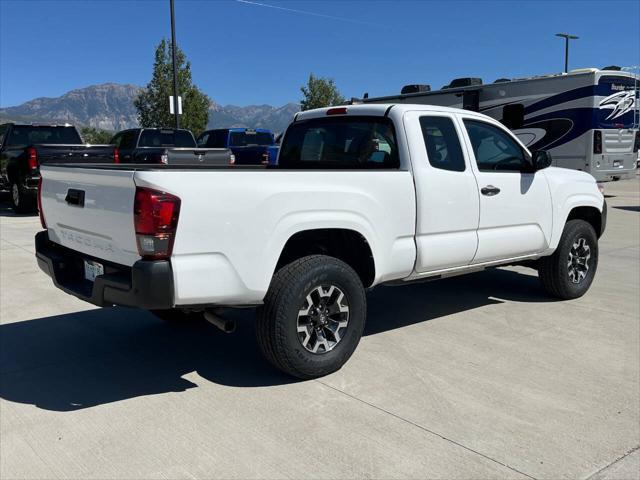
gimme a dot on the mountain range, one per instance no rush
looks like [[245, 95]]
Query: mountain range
[[109, 106]]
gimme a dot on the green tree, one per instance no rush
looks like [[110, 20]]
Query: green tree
[[320, 92], [96, 136], [152, 103]]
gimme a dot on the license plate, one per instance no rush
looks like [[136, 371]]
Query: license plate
[[92, 270], [617, 163]]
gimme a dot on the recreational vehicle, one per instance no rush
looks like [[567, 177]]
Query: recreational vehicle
[[587, 119]]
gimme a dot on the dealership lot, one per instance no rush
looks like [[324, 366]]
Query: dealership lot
[[482, 376]]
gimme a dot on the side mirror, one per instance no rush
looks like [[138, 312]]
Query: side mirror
[[541, 160]]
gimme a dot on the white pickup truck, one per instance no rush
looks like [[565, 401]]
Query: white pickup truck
[[363, 195]]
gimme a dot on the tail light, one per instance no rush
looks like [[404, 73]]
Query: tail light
[[597, 141], [155, 216], [116, 155], [33, 158], [40, 212], [636, 144]]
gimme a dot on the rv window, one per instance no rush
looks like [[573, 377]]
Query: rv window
[[494, 148], [442, 143], [513, 116]]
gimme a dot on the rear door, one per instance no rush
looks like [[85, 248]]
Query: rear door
[[91, 211], [448, 206], [515, 204]]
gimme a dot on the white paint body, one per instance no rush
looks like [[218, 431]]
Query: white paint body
[[419, 221]]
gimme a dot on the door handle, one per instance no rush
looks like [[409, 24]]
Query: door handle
[[490, 190]]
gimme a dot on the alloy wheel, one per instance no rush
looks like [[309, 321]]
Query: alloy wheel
[[323, 319]]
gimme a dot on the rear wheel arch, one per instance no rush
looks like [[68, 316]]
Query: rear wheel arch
[[347, 245]]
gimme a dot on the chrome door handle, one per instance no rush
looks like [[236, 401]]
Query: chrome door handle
[[490, 190]]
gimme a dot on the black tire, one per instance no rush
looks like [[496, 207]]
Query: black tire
[[277, 319], [177, 316], [554, 271], [22, 201]]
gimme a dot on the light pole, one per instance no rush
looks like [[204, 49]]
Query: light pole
[[566, 37], [175, 67]]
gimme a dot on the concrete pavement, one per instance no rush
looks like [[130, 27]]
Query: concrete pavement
[[482, 376]]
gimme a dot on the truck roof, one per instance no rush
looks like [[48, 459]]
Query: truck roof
[[377, 110]]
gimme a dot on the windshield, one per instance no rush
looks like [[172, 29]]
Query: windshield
[[167, 138], [618, 106], [242, 139], [30, 134], [340, 142]]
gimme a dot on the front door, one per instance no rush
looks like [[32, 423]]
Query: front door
[[515, 202]]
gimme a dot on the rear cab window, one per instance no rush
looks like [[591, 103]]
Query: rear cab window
[[250, 138], [34, 134], [166, 138], [352, 142]]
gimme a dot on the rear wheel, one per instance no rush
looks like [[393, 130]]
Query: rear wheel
[[313, 316], [569, 272], [22, 201]]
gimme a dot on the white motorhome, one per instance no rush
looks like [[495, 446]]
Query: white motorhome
[[587, 119]]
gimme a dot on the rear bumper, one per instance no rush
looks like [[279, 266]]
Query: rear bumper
[[146, 284]]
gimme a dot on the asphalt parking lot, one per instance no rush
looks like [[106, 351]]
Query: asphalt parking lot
[[473, 377]]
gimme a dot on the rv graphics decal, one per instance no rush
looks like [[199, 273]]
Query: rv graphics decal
[[619, 103]]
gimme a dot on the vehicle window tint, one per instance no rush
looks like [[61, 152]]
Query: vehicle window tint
[[33, 134], [340, 142], [116, 140], [442, 143], [166, 138], [219, 139], [513, 116], [202, 139], [128, 140], [494, 148], [243, 139]]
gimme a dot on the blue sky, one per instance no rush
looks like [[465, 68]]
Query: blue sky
[[261, 52]]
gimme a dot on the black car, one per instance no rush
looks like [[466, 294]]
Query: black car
[[24, 147]]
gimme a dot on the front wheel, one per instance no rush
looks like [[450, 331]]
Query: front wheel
[[569, 272], [313, 316]]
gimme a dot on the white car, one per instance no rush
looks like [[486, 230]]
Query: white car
[[363, 195]]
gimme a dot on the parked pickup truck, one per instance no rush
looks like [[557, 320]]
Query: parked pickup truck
[[166, 146], [250, 146], [23, 148], [363, 195]]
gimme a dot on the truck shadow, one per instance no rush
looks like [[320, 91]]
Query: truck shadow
[[7, 211], [80, 360]]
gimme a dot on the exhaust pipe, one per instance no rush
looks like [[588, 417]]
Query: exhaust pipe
[[224, 324]]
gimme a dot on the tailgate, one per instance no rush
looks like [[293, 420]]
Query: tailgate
[[198, 156], [91, 211]]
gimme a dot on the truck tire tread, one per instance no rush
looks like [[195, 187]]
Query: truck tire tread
[[272, 320], [551, 269]]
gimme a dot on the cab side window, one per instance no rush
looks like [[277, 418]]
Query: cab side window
[[116, 140], [494, 148], [3, 131], [442, 143]]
